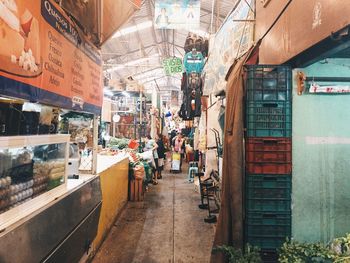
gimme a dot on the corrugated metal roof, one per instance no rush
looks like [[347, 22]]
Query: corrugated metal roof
[[140, 53]]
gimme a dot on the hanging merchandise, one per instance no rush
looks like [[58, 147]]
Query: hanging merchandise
[[185, 112], [168, 114], [197, 42], [194, 81], [191, 86], [194, 61], [221, 117], [184, 81], [202, 138]]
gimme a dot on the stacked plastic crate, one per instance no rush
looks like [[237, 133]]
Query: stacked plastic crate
[[268, 157]]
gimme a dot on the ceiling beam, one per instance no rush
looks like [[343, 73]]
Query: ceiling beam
[[139, 40], [209, 11], [132, 52]]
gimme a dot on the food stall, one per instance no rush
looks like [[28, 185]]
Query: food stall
[[47, 67]]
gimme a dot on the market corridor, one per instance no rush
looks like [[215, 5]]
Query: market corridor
[[166, 227]]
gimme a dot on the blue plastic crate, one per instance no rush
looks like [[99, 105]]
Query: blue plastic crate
[[269, 119]]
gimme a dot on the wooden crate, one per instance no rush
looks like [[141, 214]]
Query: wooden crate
[[136, 191]]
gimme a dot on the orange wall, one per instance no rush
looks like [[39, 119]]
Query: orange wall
[[303, 24]]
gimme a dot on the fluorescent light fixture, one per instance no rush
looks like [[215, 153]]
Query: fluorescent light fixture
[[131, 63], [29, 106], [115, 68], [126, 94], [107, 92], [132, 29], [4, 98]]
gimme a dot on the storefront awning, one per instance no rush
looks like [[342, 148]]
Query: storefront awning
[[100, 22], [114, 14]]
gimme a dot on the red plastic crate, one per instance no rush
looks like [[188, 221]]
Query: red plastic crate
[[263, 144], [268, 168], [269, 155]]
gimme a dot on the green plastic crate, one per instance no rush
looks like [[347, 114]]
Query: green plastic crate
[[268, 219], [268, 224], [268, 186], [269, 119], [268, 205], [269, 83]]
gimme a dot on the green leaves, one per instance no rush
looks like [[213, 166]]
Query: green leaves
[[250, 255], [336, 251]]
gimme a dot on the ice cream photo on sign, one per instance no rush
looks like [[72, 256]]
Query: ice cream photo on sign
[[19, 40]]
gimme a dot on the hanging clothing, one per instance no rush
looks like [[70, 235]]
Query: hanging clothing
[[198, 103], [194, 81], [184, 81], [194, 62], [196, 139], [221, 117]]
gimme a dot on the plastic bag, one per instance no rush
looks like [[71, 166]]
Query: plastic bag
[[139, 172]]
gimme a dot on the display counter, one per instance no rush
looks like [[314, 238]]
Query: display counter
[[113, 174], [81, 211], [48, 234]]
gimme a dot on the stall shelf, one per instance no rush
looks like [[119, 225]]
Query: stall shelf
[[33, 172]]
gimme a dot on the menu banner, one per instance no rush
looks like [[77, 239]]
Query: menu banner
[[137, 3], [45, 59]]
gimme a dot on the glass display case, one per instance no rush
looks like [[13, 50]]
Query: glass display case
[[31, 166]]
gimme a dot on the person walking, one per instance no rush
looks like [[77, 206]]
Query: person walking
[[161, 155], [151, 145], [178, 146]]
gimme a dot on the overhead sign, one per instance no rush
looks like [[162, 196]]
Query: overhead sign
[[172, 65], [182, 14], [43, 58]]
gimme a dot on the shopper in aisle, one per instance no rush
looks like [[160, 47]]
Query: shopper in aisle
[[172, 136], [161, 155], [178, 144], [151, 145]]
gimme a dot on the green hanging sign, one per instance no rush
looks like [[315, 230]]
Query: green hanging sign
[[172, 65]]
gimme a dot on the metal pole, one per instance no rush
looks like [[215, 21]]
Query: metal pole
[[212, 16], [95, 145], [140, 127]]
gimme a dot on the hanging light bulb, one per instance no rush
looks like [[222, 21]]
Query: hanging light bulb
[[116, 118]]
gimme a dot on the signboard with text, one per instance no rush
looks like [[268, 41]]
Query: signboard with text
[[43, 58], [172, 65], [182, 14]]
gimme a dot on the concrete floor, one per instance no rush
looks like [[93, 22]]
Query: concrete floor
[[167, 227]]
